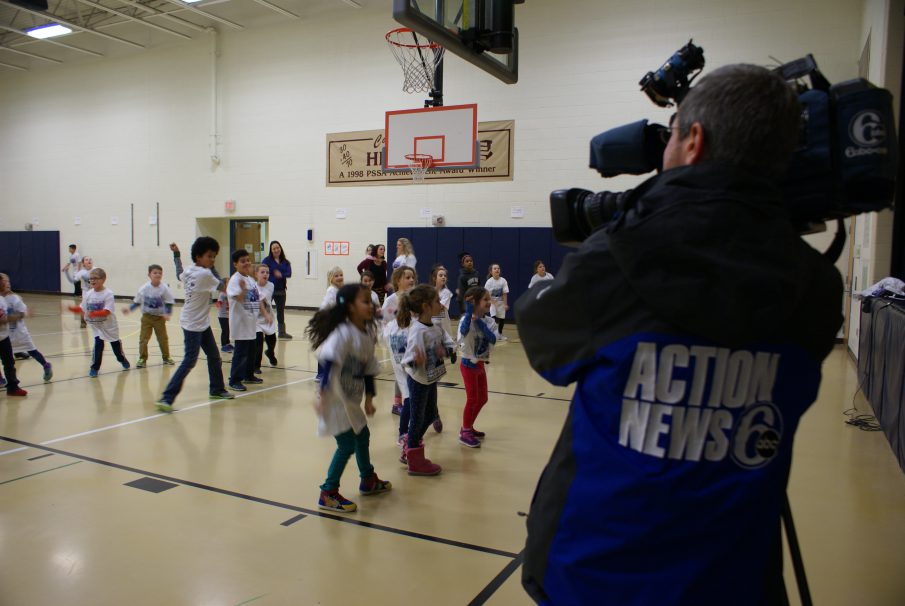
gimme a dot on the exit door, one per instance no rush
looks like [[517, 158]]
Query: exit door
[[251, 236]]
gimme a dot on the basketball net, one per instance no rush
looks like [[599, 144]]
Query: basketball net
[[418, 58], [419, 164]]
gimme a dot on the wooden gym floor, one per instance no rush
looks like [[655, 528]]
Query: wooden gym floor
[[103, 500]]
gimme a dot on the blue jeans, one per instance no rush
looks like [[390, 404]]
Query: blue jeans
[[347, 444], [98, 354], [423, 405], [193, 342], [243, 361]]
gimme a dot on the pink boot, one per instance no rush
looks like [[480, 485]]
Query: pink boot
[[418, 465]]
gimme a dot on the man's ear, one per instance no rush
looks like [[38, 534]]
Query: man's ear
[[693, 145]]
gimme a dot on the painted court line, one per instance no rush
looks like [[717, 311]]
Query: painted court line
[[157, 416]]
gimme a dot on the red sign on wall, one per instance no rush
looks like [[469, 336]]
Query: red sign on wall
[[335, 247]]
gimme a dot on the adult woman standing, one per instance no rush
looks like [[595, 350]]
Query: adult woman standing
[[405, 255], [280, 271], [377, 265]]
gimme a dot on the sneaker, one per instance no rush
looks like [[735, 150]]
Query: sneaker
[[222, 395], [397, 409], [126, 365], [478, 434], [467, 438], [272, 359], [258, 371], [92, 373], [21, 355], [164, 406], [401, 440], [237, 387], [227, 348], [438, 425], [373, 485], [2, 382], [17, 392], [503, 338], [253, 381], [141, 363], [48, 372], [333, 501], [169, 361], [285, 335]]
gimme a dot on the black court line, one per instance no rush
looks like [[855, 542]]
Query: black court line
[[50, 454], [272, 503], [498, 581], [292, 521], [499, 393], [37, 473]]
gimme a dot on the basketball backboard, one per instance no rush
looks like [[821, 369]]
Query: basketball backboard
[[479, 31], [448, 134]]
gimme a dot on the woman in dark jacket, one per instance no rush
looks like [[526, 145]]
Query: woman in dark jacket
[[377, 265], [280, 271]]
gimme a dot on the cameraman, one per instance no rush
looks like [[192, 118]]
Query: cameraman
[[695, 325]]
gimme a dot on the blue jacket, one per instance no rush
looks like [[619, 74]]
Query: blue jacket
[[694, 327], [279, 284]]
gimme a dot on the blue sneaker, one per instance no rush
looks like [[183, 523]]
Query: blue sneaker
[[221, 395], [126, 365], [333, 501], [92, 373], [2, 382], [237, 387], [253, 381], [227, 348], [48, 372]]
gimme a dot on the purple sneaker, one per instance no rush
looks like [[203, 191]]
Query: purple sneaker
[[467, 438]]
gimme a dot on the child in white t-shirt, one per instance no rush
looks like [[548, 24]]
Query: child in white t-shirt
[[244, 307], [345, 345], [427, 348], [403, 279], [20, 339], [540, 273], [476, 337], [199, 281], [266, 326], [156, 302], [498, 288], [79, 278], [100, 313], [6, 349]]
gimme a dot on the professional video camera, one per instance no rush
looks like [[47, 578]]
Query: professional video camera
[[845, 163]]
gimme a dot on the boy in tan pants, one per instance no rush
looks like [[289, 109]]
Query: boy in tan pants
[[156, 302]]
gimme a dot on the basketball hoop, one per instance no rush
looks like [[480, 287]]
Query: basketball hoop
[[419, 164], [418, 58]]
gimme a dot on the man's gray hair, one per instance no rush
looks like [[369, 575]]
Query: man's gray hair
[[750, 117]]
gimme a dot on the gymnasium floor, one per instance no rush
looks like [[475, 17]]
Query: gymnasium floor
[[103, 500]]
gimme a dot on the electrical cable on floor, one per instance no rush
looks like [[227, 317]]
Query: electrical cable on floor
[[862, 421]]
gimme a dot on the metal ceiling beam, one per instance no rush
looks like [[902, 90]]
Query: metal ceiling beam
[[31, 40], [163, 14], [76, 26], [278, 9], [189, 7], [135, 19], [27, 54]]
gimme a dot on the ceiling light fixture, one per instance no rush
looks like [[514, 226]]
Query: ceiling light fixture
[[48, 31]]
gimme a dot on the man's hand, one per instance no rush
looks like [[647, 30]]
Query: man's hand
[[369, 405]]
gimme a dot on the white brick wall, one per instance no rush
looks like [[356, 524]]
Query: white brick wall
[[87, 139]]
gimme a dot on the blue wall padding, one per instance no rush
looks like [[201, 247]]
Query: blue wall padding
[[514, 248], [32, 259]]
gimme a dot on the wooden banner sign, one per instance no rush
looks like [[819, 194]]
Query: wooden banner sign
[[356, 159]]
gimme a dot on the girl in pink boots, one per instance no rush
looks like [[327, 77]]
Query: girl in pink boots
[[427, 347]]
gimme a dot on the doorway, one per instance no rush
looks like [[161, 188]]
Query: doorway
[[251, 235]]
